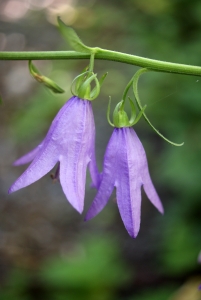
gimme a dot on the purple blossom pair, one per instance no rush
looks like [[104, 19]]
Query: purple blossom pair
[[70, 142]]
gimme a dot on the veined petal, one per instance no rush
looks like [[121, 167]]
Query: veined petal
[[70, 141], [53, 145], [108, 178], [95, 175], [129, 204], [47, 156], [143, 170], [75, 158], [102, 197], [128, 183], [73, 180], [28, 157], [40, 166], [93, 169], [151, 192]]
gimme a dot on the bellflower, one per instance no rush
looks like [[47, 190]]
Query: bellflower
[[125, 167], [70, 142]]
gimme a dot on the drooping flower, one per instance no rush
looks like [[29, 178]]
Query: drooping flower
[[125, 167], [71, 142]]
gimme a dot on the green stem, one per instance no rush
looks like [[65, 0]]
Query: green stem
[[135, 90], [91, 63], [106, 55]]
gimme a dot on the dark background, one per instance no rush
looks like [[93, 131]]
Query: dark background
[[47, 251]]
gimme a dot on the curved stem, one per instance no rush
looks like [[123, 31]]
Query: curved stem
[[135, 91], [103, 54]]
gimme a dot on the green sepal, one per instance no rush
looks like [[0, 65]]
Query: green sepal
[[49, 83], [80, 78], [102, 79], [120, 118], [72, 38], [84, 91], [138, 116], [135, 90], [133, 111], [96, 90], [108, 112], [83, 86]]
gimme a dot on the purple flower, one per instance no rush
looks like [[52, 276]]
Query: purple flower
[[71, 142], [125, 167]]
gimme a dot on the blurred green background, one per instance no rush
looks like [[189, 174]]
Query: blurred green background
[[47, 251]]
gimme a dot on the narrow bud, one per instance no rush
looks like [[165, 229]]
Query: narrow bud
[[49, 83]]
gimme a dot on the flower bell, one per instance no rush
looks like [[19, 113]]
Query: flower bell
[[125, 167], [71, 142]]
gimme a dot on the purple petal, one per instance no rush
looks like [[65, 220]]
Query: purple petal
[[108, 179], [28, 157], [93, 169], [102, 197], [151, 192], [129, 182], [52, 146], [78, 152], [40, 166], [129, 203], [142, 165], [70, 141], [72, 180]]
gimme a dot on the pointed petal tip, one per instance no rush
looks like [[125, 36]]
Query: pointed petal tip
[[88, 217], [16, 163], [78, 209], [133, 234], [20, 162], [161, 210], [159, 207], [132, 231], [10, 190]]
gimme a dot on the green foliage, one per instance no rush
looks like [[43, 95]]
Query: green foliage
[[16, 288], [93, 270], [159, 293], [71, 36]]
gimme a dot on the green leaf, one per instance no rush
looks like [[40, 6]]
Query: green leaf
[[72, 38]]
